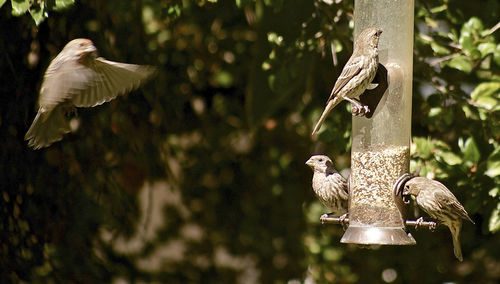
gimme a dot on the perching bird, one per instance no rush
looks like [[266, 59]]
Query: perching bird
[[329, 186], [357, 74], [78, 78], [438, 201]]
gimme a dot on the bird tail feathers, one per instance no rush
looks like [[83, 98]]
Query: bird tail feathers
[[330, 105], [47, 128], [455, 235]]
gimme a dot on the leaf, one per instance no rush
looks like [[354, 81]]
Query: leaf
[[63, 4], [439, 49], [466, 42], [424, 146], [435, 111], [431, 22], [461, 62], [37, 13], [493, 168], [494, 224], [470, 150], [19, 7], [473, 25], [494, 192], [438, 9], [450, 158], [469, 33], [496, 55], [2, 2], [486, 48], [486, 95]]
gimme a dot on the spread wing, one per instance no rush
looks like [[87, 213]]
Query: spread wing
[[63, 80], [110, 79]]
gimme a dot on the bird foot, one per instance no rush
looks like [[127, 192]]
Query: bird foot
[[343, 222], [372, 86], [419, 223], [360, 110], [406, 199], [70, 111], [323, 218], [432, 226]]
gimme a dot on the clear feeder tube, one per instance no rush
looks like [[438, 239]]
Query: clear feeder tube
[[380, 145]]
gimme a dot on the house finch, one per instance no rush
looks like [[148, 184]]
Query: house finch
[[329, 186], [78, 78], [438, 201], [357, 74]]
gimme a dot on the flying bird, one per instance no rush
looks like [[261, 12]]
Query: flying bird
[[77, 77]]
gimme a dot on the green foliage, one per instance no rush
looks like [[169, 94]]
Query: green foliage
[[39, 10], [199, 176]]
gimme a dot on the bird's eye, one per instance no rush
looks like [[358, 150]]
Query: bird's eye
[[321, 160]]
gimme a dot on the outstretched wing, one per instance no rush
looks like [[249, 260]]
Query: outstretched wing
[[63, 80], [110, 79]]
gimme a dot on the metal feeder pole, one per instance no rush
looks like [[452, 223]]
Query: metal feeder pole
[[381, 144]]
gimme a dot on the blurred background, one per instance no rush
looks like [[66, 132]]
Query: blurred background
[[199, 176]]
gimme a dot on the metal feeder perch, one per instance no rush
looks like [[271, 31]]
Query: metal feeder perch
[[400, 203]]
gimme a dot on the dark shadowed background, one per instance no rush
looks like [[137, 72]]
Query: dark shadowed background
[[199, 176]]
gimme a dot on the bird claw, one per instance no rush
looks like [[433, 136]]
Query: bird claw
[[360, 110], [432, 226], [406, 199], [323, 218], [70, 111], [419, 223], [343, 222], [342, 219]]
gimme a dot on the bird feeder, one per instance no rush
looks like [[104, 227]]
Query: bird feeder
[[381, 143]]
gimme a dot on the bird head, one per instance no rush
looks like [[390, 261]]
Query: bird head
[[320, 163], [411, 188], [80, 47], [369, 36]]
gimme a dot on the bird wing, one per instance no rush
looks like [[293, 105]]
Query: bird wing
[[110, 79], [334, 177], [447, 201], [63, 80], [351, 69]]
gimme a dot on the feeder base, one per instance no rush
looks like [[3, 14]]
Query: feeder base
[[377, 236]]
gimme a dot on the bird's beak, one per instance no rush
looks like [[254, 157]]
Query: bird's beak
[[379, 32], [310, 163], [90, 48]]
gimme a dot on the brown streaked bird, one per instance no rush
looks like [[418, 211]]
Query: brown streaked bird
[[356, 76], [77, 77], [328, 184], [438, 201]]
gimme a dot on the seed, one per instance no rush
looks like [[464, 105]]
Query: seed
[[373, 173]]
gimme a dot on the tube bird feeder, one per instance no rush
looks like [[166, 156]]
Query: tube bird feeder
[[381, 144]]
